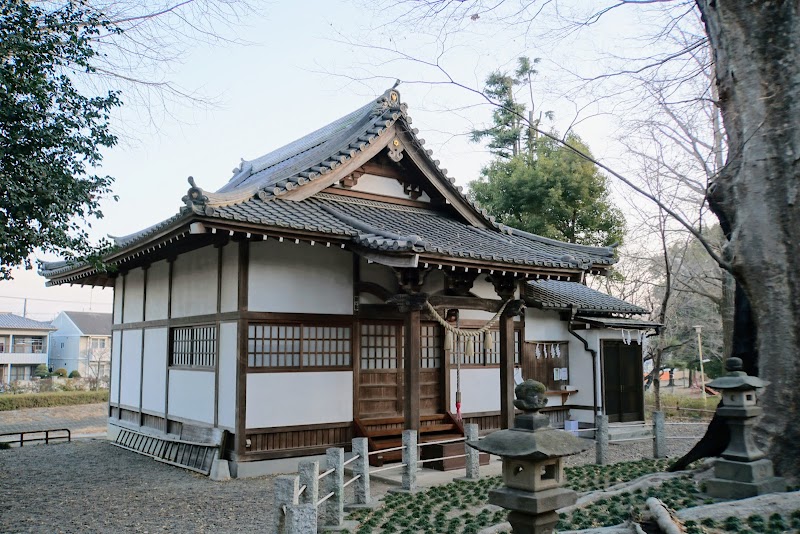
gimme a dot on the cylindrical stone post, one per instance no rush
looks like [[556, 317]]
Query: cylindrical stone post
[[334, 482], [309, 477], [410, 458], [473, 459], [601, 439], [286, 488], [301, 519], [361, 490], [659, 436]]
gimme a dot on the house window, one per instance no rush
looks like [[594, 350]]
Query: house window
[[299, 346], [193, 346], [28, 345], [432, 346], [381, 346], [20, 372], [95, 343]]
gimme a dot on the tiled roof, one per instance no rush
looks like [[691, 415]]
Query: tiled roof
[[90, 323], [556, 295], [256, 192], [619, 322], [11, 321]]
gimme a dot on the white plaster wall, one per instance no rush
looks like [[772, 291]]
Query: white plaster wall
[[226, 408], [131, 367], [483, 289], [543, 325], [434, 282], [115, 361], [230, 277], [381, 185], [480, 390], [118, 300], [134, 296], [379, 274], [155, 369], [191, 395], [157, 291], [297, 278], [194, 283], [284, 399]]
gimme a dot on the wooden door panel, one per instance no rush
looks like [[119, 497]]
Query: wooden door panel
[[622, 381]]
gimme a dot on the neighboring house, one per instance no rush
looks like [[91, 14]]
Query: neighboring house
[[82, 342], [302, 304], [23, 346]]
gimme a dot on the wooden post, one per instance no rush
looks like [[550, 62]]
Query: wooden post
[[507, 371], [411, 362]]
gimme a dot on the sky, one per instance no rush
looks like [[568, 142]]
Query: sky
[[296, 67]]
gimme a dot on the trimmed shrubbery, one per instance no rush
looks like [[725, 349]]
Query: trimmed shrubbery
[[60, 372], [55, 398], [74, 374]]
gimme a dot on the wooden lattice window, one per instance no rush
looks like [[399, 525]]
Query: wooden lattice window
[[299, 346], [432, 346], [381, 346], [193, 346]]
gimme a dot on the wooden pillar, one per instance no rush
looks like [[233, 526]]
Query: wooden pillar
[[507, 371], [411, 363]]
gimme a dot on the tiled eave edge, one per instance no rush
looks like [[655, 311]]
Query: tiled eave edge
[[589, 310]]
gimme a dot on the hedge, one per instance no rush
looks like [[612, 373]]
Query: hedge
[[55, 398]]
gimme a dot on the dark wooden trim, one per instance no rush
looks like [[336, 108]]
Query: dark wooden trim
[[507, 371], [298, 428], [373, 289], [289, 453], [277, 317], [121, 320], [241, 348], [355, 333], [411, 371], [145, 269], [191, 368], [381, 198], [191, 320], [465, 303], [329, 369]]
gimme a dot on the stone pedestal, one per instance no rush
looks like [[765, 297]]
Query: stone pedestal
[[739, 480], [532, 513]]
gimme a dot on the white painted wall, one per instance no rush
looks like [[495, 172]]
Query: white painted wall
[[134, 296], [194, 283], [191, 395], [298, 278], [115, 362], [381, 185], [131, 367], [480, 390], [285, 399], [155, 369], [230, 277], [226, 414], [118, 300], [157, 291], [483, 289]]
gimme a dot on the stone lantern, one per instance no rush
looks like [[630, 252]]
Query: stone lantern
[[742, 471], [533, 464]]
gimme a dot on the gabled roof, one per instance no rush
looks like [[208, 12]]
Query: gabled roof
[[555, 295], [90, 323], [284, 191], [10, 321]]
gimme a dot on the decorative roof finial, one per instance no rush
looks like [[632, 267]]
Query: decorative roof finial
[[196, 199]]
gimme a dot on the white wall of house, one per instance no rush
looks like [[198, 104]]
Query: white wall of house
[[300, 278], [116, 336], [286, 399], [226, 414], [131, 368], [154, 370], [230, 278], [157, 291], [65, 352], [480, 390], [191, 395], [194, 283], [132, 308]]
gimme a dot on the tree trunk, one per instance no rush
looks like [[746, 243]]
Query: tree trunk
[[757, 194]]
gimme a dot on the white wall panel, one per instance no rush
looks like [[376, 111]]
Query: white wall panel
[[157, 291], [118, 296], [226, 415], [379, 274], [297, 278], [115, 362], [131, 367], [543, 325], [194, 283], [483, 289], [155, 369], [230, 277], [480, 390], [191, 395], [381, 185], [134, 296], [284, 399]]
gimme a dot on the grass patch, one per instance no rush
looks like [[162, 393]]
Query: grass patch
[[55, 398], [669, 403]]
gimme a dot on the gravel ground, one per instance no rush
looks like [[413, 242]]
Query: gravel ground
[[92, 486]]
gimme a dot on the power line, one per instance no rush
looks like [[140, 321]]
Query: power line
[[56, 300]]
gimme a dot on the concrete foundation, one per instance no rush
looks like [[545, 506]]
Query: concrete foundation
[[740, 480]]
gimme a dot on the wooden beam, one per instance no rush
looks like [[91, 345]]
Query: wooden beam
[[412, 347], [507, 371], [466, 303], [241, 350]]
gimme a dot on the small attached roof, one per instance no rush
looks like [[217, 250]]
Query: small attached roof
[[296, 192], [91, 323], [624, 323], [9, 321], [563, 296]]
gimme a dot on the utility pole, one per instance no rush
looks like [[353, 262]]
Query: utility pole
[[25, 307], [700, 352]]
